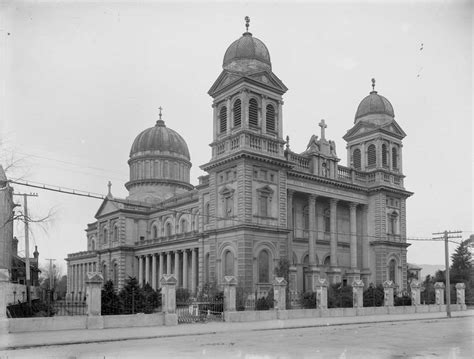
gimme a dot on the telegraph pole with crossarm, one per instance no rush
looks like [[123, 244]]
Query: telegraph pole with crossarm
[[446, 236]]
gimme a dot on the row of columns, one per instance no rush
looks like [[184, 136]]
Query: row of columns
[[334, 272], [77, 275], [157, 263]]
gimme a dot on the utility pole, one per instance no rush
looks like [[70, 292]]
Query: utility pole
[[51, 276], [27, 242], [446, 236]]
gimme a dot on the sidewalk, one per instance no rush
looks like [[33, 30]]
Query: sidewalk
[[67, 337]]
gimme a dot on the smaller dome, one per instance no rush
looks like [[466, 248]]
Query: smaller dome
[[245, 49], [160, 138], [374, 104]]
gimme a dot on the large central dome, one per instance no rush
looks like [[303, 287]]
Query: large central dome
[[247, 53]]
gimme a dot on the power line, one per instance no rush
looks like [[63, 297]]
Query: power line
[[161, 206]]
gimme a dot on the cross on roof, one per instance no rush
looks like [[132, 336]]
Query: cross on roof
[[323, 126], [160, 108], [373, 84], [247, 23], [109, 185]]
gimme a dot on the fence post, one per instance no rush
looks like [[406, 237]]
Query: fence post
[[415, 292], [321, 293], [460, 295], [358, 293], [279, 293], [230, 283], [4, 280], [168, 298], [388, 286], [439, 292], [94, 282]]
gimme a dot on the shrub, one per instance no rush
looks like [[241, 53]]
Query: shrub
[[405, 299], [374, 296], [182, 295], [265, 303], [308, 300], [132, 297], [241, 296], [110, 300], [340, 296], [151, 299]]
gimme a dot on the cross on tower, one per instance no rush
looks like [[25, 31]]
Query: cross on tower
[[373, 84], [323, 126], [160, 108], [247, 23]]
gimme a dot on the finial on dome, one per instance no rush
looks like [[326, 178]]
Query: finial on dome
[[287, 143], [160, 122], [373, 85], [247, 23]]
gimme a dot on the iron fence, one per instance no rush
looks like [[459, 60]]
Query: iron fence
[[192, 311]]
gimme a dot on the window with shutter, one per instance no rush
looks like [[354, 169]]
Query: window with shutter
[[223, 120], [384, 155], [253, 113], [394, 158], [356, 159], [237, 113], [270, 118], [371, 156]]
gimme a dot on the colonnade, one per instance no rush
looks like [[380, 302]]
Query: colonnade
[[182, 263], [316, 233], [77, 275]]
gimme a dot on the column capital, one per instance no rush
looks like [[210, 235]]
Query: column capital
[[312, 196], [333, 201], [353, 205], [291, 192]]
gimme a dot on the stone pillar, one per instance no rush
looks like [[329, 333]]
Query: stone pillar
[[230, 284], [291, 233], [185, 269], [439, 293], [460, 294], [388, 286], [140, 271], [354, 272], [415, 292], [153, 271], [193, 271], [160, 270], [357, 293], [333, 219], [168, 263], [168, 293], [176, 266], [94, 287], [279, 293], [147, 269], [322, 293], [313, 270], [4, 280]]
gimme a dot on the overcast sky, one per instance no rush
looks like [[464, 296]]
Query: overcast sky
[[81, 80]]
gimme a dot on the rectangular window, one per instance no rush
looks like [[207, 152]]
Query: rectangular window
[[263, 206]]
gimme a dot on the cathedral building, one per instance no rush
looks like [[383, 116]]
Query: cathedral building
[[260, 201]]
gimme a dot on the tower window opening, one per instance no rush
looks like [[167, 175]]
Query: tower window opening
[[356, 159], [371, 155], [237, 113], [384, 155], [394, 158], [270, 118], [223, 120], [253, 113]]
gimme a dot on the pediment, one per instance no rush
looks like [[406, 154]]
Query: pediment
[[364, 128], [394, 128], [268, 79], [107, 206], [225, 79]]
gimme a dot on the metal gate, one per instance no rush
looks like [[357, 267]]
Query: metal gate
[[191, 311]]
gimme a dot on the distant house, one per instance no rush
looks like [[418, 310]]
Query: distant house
[[18, 265], [413, 271]]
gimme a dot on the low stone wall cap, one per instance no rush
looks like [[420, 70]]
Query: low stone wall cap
[[357, 283], [94, 277], [230, 280], [460, 286], [279, 281], [439, 285], [168, 279]]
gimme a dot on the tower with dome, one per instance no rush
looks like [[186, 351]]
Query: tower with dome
[[261, 201]]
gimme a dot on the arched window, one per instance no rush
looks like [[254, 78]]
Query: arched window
[[237, 113], [253, 113], [327, 220], [371, 155], [270, 118], [356, 159], [223, 119], [169, 230], [391, 270], [327, 261], [116, 233], [93, 244], [105, 235], [394, 158], [229, 263], [184, 226], [305, 219], [104, 272], [263, 267], [384, 155], [155, 231]]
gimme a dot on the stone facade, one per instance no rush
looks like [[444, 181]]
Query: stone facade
[[260, 201]]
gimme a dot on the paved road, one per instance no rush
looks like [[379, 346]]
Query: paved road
[[437, 338]]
